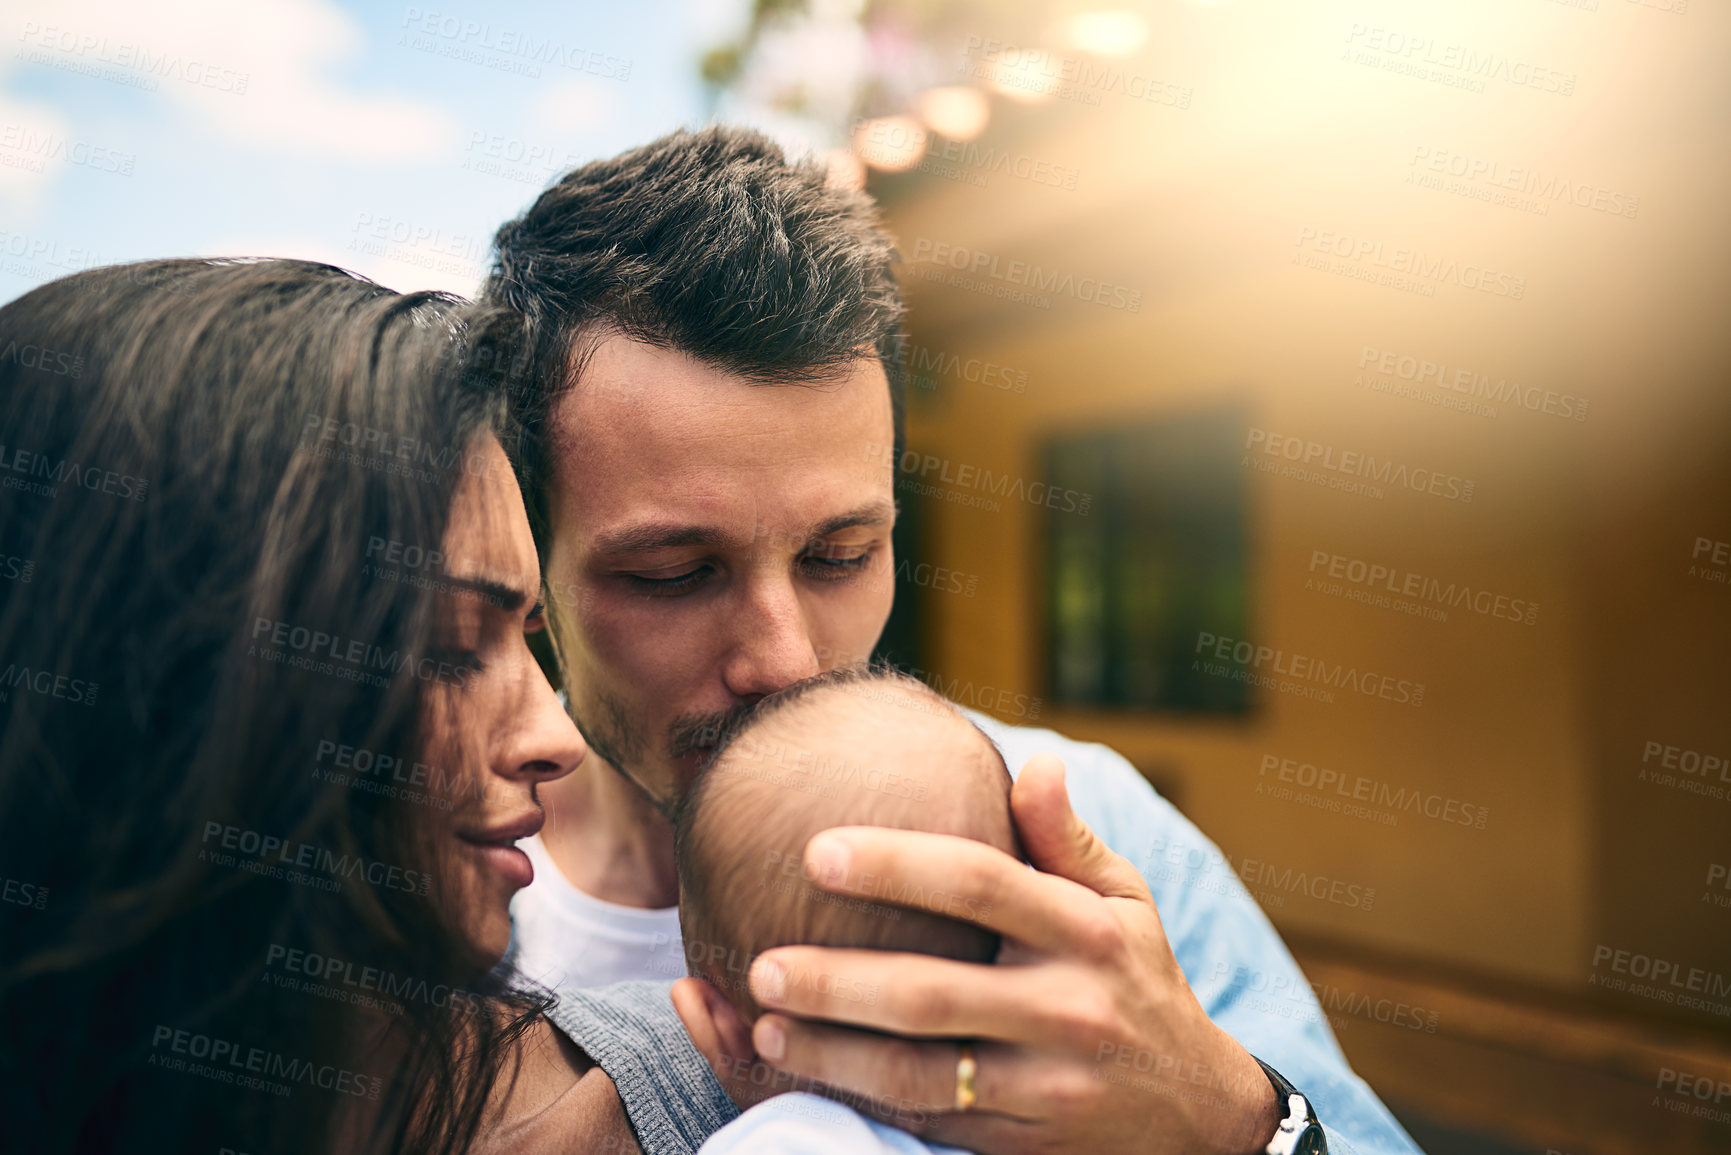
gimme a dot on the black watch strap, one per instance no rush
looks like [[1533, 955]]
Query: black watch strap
[[1299, 1133]]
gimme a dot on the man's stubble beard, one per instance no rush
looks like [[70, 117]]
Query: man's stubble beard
[[604, 720], [614, 734], [611, 734]]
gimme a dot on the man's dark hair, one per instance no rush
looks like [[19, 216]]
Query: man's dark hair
[[712, 243]]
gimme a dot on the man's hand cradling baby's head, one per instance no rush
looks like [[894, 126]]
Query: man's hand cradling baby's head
[[851, 747]]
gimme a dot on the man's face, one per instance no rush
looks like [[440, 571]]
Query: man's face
[[713, 541]]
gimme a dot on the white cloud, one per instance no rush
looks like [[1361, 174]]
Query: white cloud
[[406, 265], [33, 141], [574, 105], [259, 71]]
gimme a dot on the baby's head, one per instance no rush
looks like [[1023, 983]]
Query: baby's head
[[852, 747]]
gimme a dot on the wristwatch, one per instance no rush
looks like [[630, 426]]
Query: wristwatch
[[1299, 1133]]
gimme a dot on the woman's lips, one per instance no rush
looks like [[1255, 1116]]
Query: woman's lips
[[498, 847], [506, 860]]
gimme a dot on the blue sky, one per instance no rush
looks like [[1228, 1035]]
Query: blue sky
[[389, 138]]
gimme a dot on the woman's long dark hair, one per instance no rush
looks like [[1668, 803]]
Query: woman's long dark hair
[[207, 902]]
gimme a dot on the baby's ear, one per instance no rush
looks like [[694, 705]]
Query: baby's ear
[[724, 1038]]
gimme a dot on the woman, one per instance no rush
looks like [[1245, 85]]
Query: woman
[[268, 721]]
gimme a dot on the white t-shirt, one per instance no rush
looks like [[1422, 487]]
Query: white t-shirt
[[562, 937]]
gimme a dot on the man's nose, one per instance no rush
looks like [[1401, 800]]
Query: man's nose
[[772, 646]]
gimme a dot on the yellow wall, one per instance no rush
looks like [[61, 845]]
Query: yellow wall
[[1205, 213]]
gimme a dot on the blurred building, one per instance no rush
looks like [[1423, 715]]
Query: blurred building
[[1326, 407]]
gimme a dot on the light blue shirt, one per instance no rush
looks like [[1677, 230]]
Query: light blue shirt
[[800, 1124], [1240, 971]]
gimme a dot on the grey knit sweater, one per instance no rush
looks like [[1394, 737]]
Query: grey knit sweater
[[671, 1095]]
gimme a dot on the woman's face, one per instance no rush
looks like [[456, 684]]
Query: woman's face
[[494, 728]]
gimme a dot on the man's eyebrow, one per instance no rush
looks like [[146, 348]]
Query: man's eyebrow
[[644, 538], [673, 535], [877, 513], [497, 593]]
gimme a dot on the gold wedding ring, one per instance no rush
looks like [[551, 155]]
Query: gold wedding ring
[[965, 1068]]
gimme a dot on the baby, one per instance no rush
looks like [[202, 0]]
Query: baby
[[853, 747]]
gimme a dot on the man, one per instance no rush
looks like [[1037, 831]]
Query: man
[[713, 365]]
